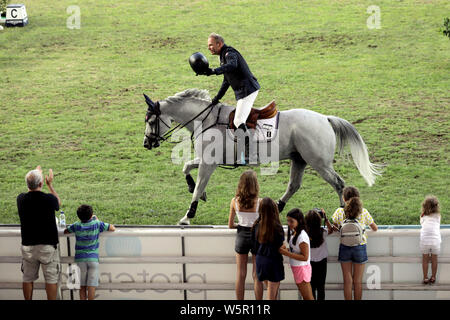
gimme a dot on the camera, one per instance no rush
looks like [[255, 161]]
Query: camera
[[320, 212]]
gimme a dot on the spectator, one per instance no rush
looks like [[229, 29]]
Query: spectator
[[245, 206], [299, 252], [353, 254], [319, 250], [87, 232], [268, 237], [39, 234], [430, 237]]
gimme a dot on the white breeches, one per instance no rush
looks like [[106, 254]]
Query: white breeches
[[243, 108]]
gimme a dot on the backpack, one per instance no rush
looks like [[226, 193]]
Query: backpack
[[351, 233]]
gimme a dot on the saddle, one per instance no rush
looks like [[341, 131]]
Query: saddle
[[267, 112]]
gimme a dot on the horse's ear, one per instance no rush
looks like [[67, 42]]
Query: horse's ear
[[149, 101]]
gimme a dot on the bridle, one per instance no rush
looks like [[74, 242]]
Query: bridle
[[154, 109]]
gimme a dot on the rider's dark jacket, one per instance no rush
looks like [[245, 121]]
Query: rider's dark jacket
[[236, 74]]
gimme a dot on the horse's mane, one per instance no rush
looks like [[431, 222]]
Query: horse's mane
[[190, 93]]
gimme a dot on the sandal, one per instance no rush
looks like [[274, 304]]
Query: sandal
[[432, 280], [425, 281]]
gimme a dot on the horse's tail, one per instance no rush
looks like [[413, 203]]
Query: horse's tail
[[347, 134]]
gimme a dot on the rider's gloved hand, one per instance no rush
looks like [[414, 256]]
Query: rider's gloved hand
[[215, 101], [209, 72]]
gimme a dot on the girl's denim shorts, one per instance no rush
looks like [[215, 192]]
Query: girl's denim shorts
[[356, 254]]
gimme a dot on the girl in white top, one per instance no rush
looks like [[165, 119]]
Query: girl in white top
[[245, 206], [430, 237], [246, 218], [299, 252]]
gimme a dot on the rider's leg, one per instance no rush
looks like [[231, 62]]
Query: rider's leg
[[242, 142], [243, 109]]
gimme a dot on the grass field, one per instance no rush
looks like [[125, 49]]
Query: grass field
[[72, 100]]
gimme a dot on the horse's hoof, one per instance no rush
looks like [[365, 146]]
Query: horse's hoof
[[203, 197], [185, 221], [281, 205]]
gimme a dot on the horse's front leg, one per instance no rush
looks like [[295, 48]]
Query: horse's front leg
[[188, 166], [204, 173]]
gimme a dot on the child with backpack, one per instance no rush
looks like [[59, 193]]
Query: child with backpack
[[430, 237], [87, 232], [299, 252], [352, 221]]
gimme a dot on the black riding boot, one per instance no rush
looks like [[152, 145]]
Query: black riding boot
[[241, 134]]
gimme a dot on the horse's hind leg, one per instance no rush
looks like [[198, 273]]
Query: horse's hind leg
[[330, 176], [297, 169]]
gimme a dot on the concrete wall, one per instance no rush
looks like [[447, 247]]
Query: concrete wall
[[133, 258]]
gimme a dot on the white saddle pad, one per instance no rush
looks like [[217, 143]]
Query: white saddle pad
[[265, 131]]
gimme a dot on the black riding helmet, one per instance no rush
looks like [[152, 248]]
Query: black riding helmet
[[198, 63]]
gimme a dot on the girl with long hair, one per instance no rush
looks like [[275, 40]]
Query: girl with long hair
[[299, 252], [268, 236], [245, 206], [353, 258], [319, 250]]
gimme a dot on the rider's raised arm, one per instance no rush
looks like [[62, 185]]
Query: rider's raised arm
[[232, 63]]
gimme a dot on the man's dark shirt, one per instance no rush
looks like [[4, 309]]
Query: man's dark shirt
[[37, 218], [236, 74]]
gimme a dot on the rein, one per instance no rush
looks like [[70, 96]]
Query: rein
[[157, 112], [154, 109]]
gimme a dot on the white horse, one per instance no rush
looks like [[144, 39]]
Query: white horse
[[305, 137]]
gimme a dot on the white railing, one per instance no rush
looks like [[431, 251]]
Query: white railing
[[158, 262]]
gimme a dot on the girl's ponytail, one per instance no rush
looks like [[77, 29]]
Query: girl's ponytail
[[353, 208]]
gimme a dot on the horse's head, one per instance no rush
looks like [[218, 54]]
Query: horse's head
[[183, 108], [156, 124]]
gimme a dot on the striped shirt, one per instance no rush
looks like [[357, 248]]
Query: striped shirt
[[87, 238]]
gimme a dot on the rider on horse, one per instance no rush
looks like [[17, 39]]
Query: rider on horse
[[236, 74]]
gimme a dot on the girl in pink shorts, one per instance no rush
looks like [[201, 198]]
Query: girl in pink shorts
[[298, 252]]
